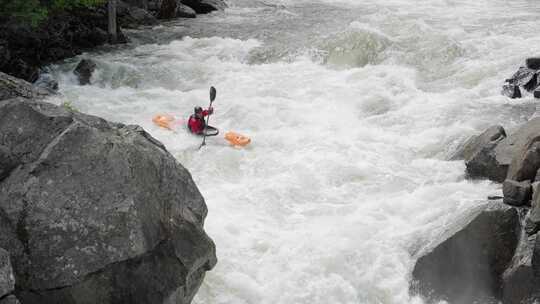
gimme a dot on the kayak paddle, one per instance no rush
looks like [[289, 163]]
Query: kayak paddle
[[212, 98]]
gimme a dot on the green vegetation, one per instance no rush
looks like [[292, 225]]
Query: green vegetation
[[35, 11], [68, 105]]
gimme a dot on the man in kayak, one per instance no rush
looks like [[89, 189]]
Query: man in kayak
[[197, 124]]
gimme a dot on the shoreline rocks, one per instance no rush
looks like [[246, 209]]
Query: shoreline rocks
[[97, 212]]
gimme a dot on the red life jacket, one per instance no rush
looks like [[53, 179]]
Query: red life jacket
[[197, 124]]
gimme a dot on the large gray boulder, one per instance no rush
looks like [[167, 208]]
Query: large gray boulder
[[468, 266], [526, 161], [532, 222], [480, 158], [7, 280], [97, 212], [11, 87]]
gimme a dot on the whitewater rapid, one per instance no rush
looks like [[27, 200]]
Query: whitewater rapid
[[353, 107]]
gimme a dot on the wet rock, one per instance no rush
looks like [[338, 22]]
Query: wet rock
[[47, 82], [132, 16], [512, 91], [175, 8], [522, 77], [468, 266], [533, 63], [84, 71], [7, 280], [102, 212], [520, 284], [205, 6], [516, 193], [11, 87], [480, 157]]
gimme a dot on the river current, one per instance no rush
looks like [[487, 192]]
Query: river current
[[354, 109]]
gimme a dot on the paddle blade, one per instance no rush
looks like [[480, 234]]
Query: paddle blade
[[212, 93]]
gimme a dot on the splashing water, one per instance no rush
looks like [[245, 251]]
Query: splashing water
[[353, 110]]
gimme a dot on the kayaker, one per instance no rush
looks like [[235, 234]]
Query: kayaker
[[197, 124]]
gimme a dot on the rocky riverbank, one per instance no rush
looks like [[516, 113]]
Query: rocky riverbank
[[93, 211], [24, 49], [496, 256]]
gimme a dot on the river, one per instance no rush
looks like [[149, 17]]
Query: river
[[354, 109]]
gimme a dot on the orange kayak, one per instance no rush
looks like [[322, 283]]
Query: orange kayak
[[236, 139], [164, 121]]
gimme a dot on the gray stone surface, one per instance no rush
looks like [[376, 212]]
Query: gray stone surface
[[130, 16], [480, 158], [11, 87], [7, 280], [468, 266], [97, 212], [517, 193]]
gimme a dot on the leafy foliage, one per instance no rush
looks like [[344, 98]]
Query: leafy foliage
[[35, 11]]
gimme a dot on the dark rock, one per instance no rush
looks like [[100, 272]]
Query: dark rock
[[480, 159], [523, 77], [468, 266], [10, 300], [516, 193], [533, 63], [84, 71], [7, 162], [174, 8], [132, 16], [520, 284], [7, 280], [47, 82], [205, 6], [536, 92], [511, 91], [11, 87], [100, 212], [184, 11]]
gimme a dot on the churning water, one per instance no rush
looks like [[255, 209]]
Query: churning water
[[354, 108]]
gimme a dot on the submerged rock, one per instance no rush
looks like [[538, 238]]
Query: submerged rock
[[480, 158], [97, 212], [468, 266], [47, 82], [84, 71], [512, 91]]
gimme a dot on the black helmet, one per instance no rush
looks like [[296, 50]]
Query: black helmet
[[198, 110]]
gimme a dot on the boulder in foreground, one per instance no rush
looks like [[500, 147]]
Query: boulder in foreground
[[97, 212]]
